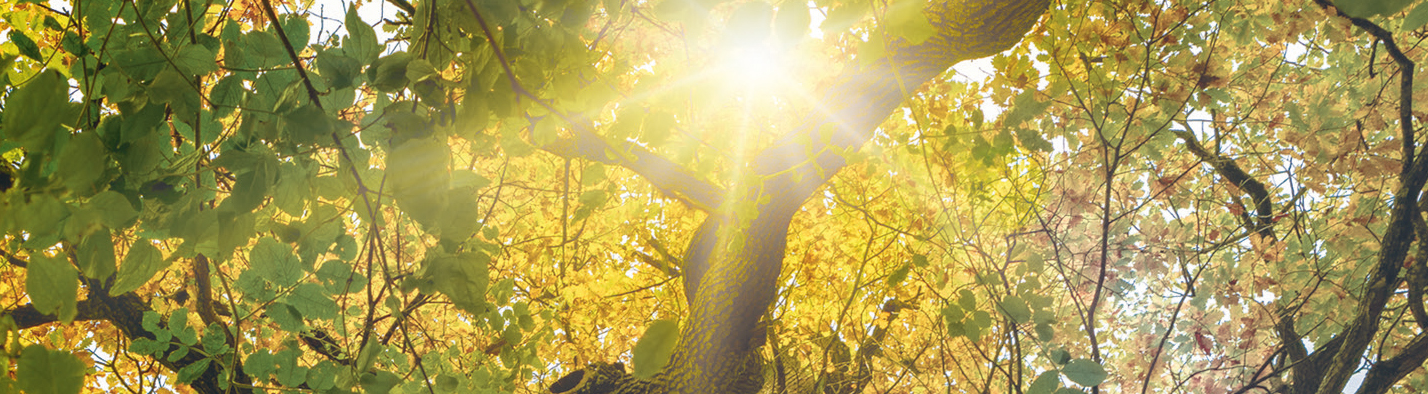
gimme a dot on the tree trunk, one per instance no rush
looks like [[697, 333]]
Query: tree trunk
[[733, 266]]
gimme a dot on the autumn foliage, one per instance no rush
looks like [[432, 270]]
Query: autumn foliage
[[528, 196]]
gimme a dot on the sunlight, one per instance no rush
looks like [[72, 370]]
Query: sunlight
[[756, 69]]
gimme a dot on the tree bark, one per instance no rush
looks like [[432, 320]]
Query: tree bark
[[744, 259]]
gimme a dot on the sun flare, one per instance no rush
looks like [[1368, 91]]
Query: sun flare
[[757, 69]]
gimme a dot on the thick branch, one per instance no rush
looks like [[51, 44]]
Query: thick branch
[[1384, 279], [668, 177], [1308, 369], [1382, 376], [126, 312], [27, 316], [1237, 176]]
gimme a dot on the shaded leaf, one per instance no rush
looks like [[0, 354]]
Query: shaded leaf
[[52, 284], [1085, 372], [26, 45], [1046, 383], [1016, 309], [96, 255], [82, 162], [140, 265], [1416, 18], [43, 371]]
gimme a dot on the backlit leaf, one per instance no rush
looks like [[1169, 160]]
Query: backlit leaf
[[361, 43], [463, 278], [35, 110], [906, 20], [419, 177], [652, 351], [275, 262]]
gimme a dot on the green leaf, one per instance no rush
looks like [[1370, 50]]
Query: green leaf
[[171, 88], [313, 302], [417, 171], [178, 325], [460, 221], [214, 341], [191, 372], [148, 347], [1016, 309], [96, 255], [844, 16], [339, 70], [653, 350], [1084, 372], [35, 110], [1045, 332], [1371, 8], [82, 162], [140, 265], [1416, 18], [115, 210], [308, 125], [274, 261], [26, 45], [287, 317], [1046, 383], [1060, 356], [289, 373], [227, 95], [251, 188], [389, 73], [462, 278], [264, 50], [967, 300], [898, 275], [297, 30], [905, 19], [195, 60], [42, 217], [380, 382], [178, 354], [42, 371], [259, 364], [335, 274], [589, 202], [791, 22], [361, 43], [749, 24], [293, 189], [322, 377], [52, 284]]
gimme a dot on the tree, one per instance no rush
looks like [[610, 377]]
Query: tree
[[1173, 196]]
